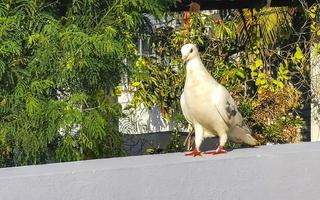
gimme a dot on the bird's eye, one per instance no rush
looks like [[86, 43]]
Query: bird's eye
[[191, 50]]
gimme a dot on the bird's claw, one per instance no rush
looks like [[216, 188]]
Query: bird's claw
[[194, 153], [219, 150]]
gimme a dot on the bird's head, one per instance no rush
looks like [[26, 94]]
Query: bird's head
[[188, 51]]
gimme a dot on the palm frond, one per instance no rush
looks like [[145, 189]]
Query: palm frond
[[264, 25]]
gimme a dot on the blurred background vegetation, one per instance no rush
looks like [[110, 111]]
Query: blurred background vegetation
[[61, 63]]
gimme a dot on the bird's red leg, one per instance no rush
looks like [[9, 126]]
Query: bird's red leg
[[194, 153], [219, 150]]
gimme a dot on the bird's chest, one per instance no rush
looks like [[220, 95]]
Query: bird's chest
[[198, 98], [197, 85], [198, 94]]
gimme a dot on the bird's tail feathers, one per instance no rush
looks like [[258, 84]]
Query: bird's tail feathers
[[242, 134]]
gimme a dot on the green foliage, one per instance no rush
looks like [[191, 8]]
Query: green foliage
[[298, 56], [265, 26], [284, 129], [59, 64], [159, 85], [271, 107], [313, 14], [175, 144], [254, 53]]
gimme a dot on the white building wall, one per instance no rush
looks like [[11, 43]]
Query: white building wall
[[141, 120]]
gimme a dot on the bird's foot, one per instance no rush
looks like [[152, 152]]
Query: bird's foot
[[219, 150], [194, 153]]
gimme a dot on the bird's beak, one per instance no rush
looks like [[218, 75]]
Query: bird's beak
[[184, 59]]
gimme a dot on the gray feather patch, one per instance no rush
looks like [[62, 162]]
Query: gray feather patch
[[231, 110]]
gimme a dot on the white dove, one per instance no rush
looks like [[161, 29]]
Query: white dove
[[208, 106]]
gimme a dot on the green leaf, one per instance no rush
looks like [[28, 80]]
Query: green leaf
[[258, 63], [150, 151], [240, 73], [261, 82], [281, 67], [254, 74], [278, 83], [32, 105], [118, 91], [312, 15], [262, 75], [313, 27], [298, 56], [136, 84], [70, 62]]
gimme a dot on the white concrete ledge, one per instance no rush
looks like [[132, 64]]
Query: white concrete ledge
[[269, 172]]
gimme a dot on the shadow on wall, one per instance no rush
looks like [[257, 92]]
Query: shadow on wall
[[142, 120], [157, 123], [137, 144]]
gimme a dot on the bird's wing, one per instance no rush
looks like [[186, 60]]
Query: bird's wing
[[226, 106], [227, 109], [184, 108]]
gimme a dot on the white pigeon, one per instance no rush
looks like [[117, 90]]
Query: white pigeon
[[209, 107]]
